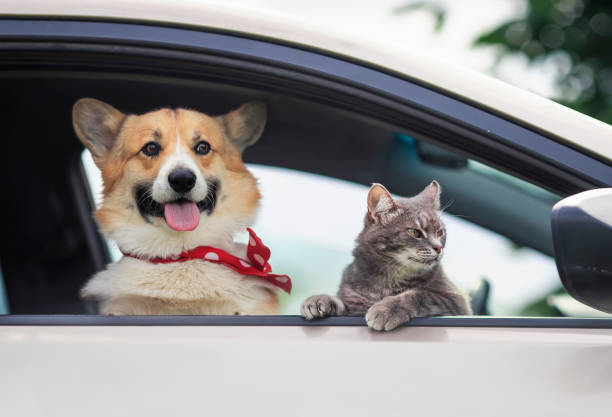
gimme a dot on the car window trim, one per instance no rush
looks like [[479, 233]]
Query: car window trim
[[291, 320]]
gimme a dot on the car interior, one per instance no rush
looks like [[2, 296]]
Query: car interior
[[51, 245]]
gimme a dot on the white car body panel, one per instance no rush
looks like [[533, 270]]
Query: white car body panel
[[568, 125], [326, 370], [304, 371]]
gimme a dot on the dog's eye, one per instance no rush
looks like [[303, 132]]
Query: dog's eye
[[151, 149], [415, 233], [202, 147]]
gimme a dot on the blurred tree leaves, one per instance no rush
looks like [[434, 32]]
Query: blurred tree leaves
[[577, 36], [435, 9], [574, 35]]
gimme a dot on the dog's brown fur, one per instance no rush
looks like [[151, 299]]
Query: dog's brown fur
[[134, 286]]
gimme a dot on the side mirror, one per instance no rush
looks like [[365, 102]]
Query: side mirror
[[582, 238]]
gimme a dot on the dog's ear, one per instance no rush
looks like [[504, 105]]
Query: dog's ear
[[245, 125], [97, 125]]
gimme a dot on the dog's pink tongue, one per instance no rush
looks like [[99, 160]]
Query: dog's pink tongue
[[182, 216]]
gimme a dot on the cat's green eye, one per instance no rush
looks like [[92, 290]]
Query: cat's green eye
[[440, 233], [415, 233]]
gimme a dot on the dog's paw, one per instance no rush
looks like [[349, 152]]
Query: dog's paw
[[319, 306], [385, 316]]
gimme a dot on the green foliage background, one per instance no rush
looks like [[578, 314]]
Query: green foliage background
[[575, 35]]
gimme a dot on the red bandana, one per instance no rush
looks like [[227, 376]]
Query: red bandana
[[257, 252]]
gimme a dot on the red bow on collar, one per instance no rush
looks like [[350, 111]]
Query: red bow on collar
[[258, 265]]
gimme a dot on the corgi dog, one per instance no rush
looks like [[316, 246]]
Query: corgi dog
[[174, 180]]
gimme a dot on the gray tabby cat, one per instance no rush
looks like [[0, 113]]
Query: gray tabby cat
[[396, 273]]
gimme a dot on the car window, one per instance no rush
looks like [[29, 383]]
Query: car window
[[311, 221], [327, 116]]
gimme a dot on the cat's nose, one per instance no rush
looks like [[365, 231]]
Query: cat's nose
[[437, 248]]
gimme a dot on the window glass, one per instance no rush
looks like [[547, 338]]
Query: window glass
[[310, 222], [4, 307], [517, 183], [94, 178]]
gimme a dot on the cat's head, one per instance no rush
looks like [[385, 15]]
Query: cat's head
[[408, 230]]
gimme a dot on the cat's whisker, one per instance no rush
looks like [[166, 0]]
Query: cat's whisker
[[447, 205]]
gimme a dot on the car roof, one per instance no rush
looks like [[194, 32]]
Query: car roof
[[571, 127]]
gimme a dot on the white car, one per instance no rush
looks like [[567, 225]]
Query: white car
[[343, 114]]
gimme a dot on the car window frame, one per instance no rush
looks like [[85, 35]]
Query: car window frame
[[497, 133], [294, 320]]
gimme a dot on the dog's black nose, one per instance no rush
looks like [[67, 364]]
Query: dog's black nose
[[182, 180]]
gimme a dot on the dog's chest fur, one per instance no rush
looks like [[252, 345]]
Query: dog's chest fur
[[133, 286]]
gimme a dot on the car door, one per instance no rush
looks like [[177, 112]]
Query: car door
[[65, 364]]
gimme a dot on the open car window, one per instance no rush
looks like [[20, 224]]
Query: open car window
[[334, 127], [311, 221]]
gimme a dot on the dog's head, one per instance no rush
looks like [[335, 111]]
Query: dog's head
[[173, 179]]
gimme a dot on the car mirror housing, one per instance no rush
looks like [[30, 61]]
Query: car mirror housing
[[582, 239]]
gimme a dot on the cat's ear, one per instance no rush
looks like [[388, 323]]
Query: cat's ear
[[431, 195], [381, 206]]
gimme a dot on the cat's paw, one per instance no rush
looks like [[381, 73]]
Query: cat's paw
[[319, 306], [385, 316]]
